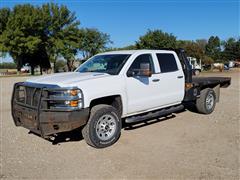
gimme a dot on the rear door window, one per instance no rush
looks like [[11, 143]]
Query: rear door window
[[167, 62]]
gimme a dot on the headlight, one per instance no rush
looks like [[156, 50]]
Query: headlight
[[65, 99], [74, 92]]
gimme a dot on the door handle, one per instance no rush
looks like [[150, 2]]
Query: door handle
[[155, 80], [179, 77]]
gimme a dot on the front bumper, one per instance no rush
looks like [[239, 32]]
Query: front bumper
[[45, 122]]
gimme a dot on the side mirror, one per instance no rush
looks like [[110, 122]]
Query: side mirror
[[130, 73]]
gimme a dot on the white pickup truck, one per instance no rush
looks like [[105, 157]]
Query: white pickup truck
[[109, 88]]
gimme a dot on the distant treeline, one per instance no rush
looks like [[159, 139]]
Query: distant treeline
[[38, 35], [208, 50], [8, 65]]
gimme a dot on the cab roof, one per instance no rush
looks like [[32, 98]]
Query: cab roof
[[136, 51]]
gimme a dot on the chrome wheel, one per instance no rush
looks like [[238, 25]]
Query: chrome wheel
[[106, 127], [209, 101]]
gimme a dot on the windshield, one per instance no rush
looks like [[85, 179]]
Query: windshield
[[110, 63]]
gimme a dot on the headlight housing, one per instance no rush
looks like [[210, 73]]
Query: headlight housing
[[69, 99]]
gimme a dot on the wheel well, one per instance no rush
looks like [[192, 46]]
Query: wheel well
[[114, 101]]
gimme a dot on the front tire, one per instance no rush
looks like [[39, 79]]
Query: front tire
[[207, 101], [104, 126]]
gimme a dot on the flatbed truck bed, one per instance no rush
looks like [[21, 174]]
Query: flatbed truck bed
[[211, 81]]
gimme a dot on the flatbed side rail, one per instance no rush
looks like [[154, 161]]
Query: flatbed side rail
[[212, 81]]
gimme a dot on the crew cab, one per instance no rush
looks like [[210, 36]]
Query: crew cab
[[111, 88]]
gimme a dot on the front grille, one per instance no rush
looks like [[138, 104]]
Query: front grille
[[27, 95], [44, 97], [36, 97]]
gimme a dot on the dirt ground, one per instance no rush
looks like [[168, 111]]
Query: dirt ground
[[185, 146]]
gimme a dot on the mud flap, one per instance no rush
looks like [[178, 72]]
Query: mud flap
[[216, 89]]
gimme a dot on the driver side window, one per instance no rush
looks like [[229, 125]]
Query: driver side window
[[140, 61]]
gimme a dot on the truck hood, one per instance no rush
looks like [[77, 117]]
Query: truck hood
[[66, 79]]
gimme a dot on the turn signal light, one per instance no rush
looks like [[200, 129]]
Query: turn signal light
[[188, 85], [74, 103]]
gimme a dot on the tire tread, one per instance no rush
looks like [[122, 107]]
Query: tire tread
[[86, 129], [200, 103]]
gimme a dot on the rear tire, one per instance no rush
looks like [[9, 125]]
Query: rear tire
[[103, 128], [207, 101]]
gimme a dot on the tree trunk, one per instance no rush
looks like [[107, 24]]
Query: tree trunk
[[70, 65], [32, 70], [19, 65], [54, 67], [40, 69]]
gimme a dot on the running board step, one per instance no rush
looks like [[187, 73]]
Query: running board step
[[155, 114]]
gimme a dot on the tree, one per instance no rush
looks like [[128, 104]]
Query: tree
[[35, 35], [182, 43], [231, 50], [213, 48], [21, 36], [61, 38], [60, 65], [4, 15], [3, 54], [7, 65], [69, 46], [207, 60], [202, 44], [92, 41], [193, 49], [156, 39]]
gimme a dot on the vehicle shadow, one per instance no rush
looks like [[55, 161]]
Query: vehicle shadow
[[191, 107], [76, 135], [70, 136]]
